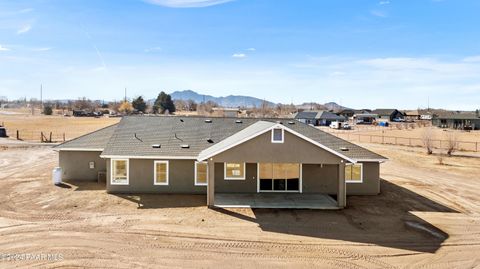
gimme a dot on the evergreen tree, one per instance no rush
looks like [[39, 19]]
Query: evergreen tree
[[163, 103], [139, 104]]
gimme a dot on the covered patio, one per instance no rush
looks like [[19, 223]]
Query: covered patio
[[275, 200]]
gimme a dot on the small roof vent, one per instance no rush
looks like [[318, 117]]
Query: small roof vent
[[185, 146], [238, 121], [344, 149], [156, 146], [208, 121], [210, 141], [291, 122], [181, 120]]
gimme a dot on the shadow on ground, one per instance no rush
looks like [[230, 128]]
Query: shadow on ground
[[384, 220], [149, 201]]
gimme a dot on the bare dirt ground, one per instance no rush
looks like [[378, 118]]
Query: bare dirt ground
[[31, 126], [427, 216]]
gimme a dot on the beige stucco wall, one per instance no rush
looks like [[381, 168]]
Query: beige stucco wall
[[141, 176], [75, 165], [293, 150], [371, 181]]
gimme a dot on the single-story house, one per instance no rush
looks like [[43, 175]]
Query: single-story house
[[347, 113], [464, 121], [412, 115], [389, 114], [365, 118], [279, 163], [318, 118]]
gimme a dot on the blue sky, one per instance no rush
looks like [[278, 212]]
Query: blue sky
[[359, 53]]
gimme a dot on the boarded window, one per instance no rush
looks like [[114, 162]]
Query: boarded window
[[234, 170], [201, 173], [353, 173], [161, 173], [119, 172]]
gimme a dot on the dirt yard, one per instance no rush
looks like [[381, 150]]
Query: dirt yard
[[30, 127], [427, 216]]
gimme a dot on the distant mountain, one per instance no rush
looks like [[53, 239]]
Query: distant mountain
[[227, 101], [334, 106]]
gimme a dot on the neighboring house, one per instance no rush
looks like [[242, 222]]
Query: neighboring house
[[464, 121], [318, 118], [389, 114], [236, 162], [412, 115], [365, 118], [347, 113]]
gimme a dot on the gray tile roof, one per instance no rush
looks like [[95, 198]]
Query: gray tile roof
[[317, 115], [135, 136], [94, 140], [384, 111], [460, 116]]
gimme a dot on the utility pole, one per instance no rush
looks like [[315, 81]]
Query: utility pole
[[41, 96], [125, 99]]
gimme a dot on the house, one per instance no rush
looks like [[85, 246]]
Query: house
[[412, 115], [318, 118], [346, 113], [365, 118], [389, 114], [226, 112], [278, 163], [464, 121]]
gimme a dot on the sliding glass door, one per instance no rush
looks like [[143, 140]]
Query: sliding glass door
[[279, 177]]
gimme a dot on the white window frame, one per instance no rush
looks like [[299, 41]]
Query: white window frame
[[234, 178], [155, 173], [300, 189], [361, 173], [112, 168], [196, 183], [283, 135]]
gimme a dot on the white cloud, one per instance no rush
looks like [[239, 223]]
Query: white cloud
[[384, 2], [239, 55], [472, 59], [251, 49], [187, 3], [2, 48], [24, 29], [378, 13], [25, 10], [153, 49]]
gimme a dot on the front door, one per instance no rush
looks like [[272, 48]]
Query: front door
[[279, 177]]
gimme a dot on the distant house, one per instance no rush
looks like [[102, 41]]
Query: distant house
[[347, 113], [464, 121], [412, 115], [389, 114], [228, 112], [318, 118], [365, 118]]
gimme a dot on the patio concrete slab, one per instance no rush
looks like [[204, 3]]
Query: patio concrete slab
[[275, 200]]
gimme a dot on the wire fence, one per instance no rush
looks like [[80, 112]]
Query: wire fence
[[38, 136], [406, 141]]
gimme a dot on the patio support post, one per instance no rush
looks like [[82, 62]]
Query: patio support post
[[211, 184], [342, 192]]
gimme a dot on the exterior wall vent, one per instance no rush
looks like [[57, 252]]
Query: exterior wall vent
[[156, 146], [185, 146]]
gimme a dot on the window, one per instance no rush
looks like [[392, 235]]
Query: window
[[119, 175], [354, 173], [277, 135], [201, 174], [234, 171], [160, 173], [279, 176]]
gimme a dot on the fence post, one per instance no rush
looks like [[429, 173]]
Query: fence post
[[63, 137], [41, 137], [476, 146], [50, 137]]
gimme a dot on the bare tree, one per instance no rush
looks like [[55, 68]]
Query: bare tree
[[452, 142], [427, 139]]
